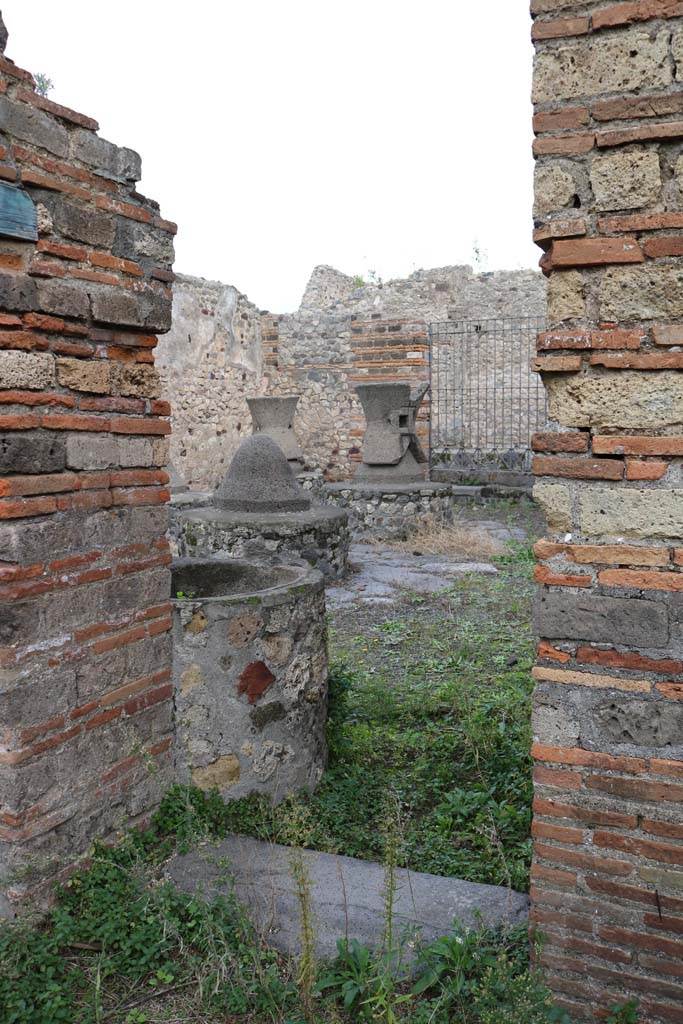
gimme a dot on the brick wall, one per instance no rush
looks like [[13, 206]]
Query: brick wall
[[608, 826], [85, 694]]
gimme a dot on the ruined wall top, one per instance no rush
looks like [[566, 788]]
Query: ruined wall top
[[440, 293]]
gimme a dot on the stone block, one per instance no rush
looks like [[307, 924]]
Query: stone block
[[75, 222], [104, 157], [135, 451], [565, 296], [92, 375], [63, 299], [649, 724], [146, 309], [648, 514], [556, 504], [135, 379], [31, 370], [649, 291], [91, 451], [553, 722], [626, 179], [626, 399], [22, 121], [554, 188], [632, 59], [18, 293], [18, 621], [31, 453], [161, 447], [563, 615], [135, 241]]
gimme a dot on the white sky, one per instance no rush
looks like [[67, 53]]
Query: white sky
[[379, 135]]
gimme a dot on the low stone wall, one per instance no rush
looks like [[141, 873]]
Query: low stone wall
[[250, 677], [393, 512]]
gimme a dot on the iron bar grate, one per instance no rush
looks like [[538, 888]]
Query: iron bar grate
[[486, 400]]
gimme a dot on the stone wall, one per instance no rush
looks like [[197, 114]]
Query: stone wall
[[85, 661], [607, 882], [221, 349]]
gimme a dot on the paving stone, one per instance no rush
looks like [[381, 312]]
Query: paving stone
[[347, 895]]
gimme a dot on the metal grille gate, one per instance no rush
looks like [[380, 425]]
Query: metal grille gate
[[486, 401]]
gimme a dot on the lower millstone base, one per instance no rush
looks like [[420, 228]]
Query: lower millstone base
[[319, 536]]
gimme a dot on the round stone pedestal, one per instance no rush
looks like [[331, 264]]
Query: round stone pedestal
[[385, 511], [250, 676], [318, 535]]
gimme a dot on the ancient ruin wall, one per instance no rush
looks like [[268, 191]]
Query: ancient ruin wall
[[608, 719], [221, 349], [85, 694]]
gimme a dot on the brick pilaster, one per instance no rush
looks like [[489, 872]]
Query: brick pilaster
[[607, 886], [85, 691]]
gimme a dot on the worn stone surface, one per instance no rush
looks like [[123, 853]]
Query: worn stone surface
[[554, 188], [631, 59], [229, 617], [347, 895], [566, 296], [84, 375], [645, 292], [582, 616], [622, 399], [382, 575], [274, 415], [32, 370], [221, 774], [22, 452], [626, 179], [260, 479], [392, 452], [636, 513], [320, 536], [555, 500]]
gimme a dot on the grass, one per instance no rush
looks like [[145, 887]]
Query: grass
[[458, 539], [429, 711], [121, 946]]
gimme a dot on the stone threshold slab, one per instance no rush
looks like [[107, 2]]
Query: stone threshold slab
[[347, 895]]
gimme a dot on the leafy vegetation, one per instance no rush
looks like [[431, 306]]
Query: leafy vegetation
[[429, 711], [121, 945]]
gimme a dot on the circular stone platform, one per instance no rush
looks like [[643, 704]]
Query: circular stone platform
[[260, 509], [250, 676], [319, 535], [393, 511]]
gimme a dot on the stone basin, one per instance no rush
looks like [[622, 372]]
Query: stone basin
[[194, 579]]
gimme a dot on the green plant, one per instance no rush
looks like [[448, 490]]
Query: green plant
[[43, 84], [625, 1014]]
